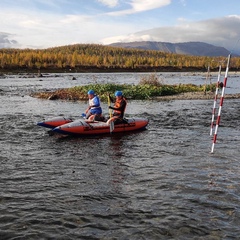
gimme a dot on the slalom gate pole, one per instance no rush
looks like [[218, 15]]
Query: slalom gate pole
[[215, 101], [221, 104]]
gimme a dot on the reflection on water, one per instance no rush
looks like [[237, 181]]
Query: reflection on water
[[161, 183]]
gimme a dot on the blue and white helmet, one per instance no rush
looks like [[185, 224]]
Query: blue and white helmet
[[90, 92], [118, 94]]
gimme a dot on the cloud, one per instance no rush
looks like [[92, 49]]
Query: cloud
[[38, 30], [141, 6], [6, 41], [128, 38], [109, 3], [145, 5], [223, 32], [64, 22]]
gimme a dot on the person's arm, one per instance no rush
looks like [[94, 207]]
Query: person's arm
[[111, 99], [86, 111], [122, 106]]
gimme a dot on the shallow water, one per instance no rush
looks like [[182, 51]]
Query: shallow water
[[161, 183]]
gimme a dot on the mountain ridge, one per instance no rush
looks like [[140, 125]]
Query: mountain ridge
[[186, 48]]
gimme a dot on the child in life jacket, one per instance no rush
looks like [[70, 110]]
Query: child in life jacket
[[119, 107], [94, 111]]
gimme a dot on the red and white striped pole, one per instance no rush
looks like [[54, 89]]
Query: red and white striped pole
[[221, 103], [215, 101]]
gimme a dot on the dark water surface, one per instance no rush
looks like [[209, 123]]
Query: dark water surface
[[161, 183]]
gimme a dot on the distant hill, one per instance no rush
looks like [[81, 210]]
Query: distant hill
[[101, 58], [187, 48]]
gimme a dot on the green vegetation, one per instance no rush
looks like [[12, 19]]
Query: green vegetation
[[148, 88], [95, 58]]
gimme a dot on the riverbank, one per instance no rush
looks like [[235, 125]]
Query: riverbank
[[94, 69]]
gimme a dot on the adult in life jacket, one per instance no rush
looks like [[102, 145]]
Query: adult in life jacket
[[119, 107], [94, 111]]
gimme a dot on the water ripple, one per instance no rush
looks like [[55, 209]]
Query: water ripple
[[161, 183]]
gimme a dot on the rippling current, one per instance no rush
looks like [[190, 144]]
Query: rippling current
[[161, 183]]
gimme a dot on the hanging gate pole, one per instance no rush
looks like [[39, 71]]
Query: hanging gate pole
[[208, 76], [221, 103], [215, 101]]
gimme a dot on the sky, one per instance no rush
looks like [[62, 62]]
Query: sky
[[39, 24]]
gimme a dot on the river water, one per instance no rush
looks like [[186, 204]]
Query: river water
[[161, 183]]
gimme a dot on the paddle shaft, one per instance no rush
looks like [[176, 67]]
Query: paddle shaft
[[109, 104], [110, 115]]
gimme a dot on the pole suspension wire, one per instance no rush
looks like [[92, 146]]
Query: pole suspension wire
[[208, 77], [235, 46]]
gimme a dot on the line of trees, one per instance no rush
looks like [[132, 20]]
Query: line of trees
[[80, 56]]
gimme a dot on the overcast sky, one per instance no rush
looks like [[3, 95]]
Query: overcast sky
[[50, 23]]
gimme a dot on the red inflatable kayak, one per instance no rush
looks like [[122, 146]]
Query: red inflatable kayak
[[67, 126]]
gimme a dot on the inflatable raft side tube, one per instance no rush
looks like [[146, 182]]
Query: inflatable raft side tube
[[81, 128], [54, 122]]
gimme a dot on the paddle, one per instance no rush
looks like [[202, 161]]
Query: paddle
[[110, 115]]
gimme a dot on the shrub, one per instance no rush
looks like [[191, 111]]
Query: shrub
[[152, 80]]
